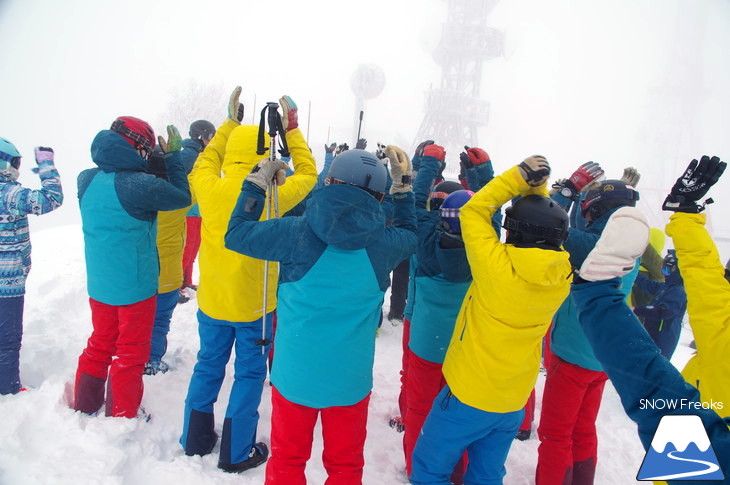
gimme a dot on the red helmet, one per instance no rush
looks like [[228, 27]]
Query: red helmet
[[137, 132]]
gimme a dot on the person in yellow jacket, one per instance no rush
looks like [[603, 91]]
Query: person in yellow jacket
[[230, 293], [493, 359], [708, 292]]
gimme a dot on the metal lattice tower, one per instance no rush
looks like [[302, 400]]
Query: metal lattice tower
[[454, 110]]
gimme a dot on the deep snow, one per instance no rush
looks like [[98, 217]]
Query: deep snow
[[42, 441]]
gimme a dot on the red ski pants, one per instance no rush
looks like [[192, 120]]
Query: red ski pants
[[529, 412], [118, 348], [192, 245], [567, 453], [292, 430], [402, 397], [425, 381]]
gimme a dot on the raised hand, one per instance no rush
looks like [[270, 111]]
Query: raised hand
[[235, 107], [694, 183], [174, 140], [535, 170], [290, 116]]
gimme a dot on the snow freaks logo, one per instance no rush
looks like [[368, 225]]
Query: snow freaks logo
[[680, 450]]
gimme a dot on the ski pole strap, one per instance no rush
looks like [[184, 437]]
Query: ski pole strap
[[260, 148], [284, 146]]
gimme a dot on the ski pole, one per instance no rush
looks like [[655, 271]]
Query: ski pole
[[358, 129]]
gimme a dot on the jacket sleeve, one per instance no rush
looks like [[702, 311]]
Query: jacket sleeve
[[328, 157], [578, 244], [648, 286], [302, 182], [162, 195], [483, 248], [708, 293], [403, 239], [247, 235], [424, 181], [632, 361], [206, 174], [652, 261], [50, 197]]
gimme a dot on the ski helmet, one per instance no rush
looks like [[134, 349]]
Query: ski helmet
[[669, 264], [535, 220], [451, 208], [137, 132], [361, 169], [440, 192], [202, 129], [9, 154], [608, 195]]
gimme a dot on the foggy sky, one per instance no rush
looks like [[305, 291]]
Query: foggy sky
[[625, 82]]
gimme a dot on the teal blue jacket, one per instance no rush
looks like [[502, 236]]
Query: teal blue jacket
[[119, 204], [334, 265]]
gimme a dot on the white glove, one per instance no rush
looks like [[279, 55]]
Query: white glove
[[264, 172], [400, 170]]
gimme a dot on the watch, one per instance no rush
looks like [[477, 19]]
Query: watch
[[567, 192]]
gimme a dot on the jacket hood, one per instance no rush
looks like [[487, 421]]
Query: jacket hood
[[657, 239], [111, 152], [241, 154], [192, 144], [345, 216], [543, 267]]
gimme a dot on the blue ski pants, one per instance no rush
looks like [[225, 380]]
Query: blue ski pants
[[217, 339], [166, 303], [452, 428], [11, 333]]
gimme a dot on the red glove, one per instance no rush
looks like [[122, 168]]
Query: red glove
[[585, 174], [477, 156], [435, 151]]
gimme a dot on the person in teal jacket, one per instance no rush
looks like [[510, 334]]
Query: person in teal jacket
[[334, 264], [119, 203], [638, 371], [575, 380]]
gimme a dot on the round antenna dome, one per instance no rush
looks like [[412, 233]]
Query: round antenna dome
[[368, 81]]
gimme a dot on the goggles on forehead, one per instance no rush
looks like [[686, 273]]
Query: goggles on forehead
[[379, 196], [142, 144]]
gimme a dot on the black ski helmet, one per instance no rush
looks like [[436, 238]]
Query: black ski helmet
[[201, 129], [440, 192], [361, 169], [608, 195], [534, 221]]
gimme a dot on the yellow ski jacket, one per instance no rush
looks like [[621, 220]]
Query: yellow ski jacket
[[708, 307], [170, 246], [494, 355], [231, 284]]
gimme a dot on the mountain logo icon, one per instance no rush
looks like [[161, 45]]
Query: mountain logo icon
[[680, 450]]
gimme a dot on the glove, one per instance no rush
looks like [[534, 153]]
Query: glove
[[342, 148], [330, 148], [435, 151], [380, 153], [473, 157], [557, 186], [631, 176], [235, 108], [43, 154], [421, 146], [535, 170], [400, 170], [174, 140], [156, 164], [361, 144], [581, 180], [264, 172], [290, 113], [694, 184]]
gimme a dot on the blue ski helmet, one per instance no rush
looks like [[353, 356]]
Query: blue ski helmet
[[361, 169], [440, 192], [536, 221], [451, 208], [669, 264], [9, 155]]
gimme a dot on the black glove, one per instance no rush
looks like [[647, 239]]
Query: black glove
[[421, 146], [342, 148], [361, 144], [156, 164], [330, 148], [440, 174], [694, 184]]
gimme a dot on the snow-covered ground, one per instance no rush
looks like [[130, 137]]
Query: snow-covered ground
[[42, 441]]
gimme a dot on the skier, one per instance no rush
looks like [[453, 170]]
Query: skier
[[16, 202], [575, 380], [119, 204], [708, 293], [637, 370], [230, 295], [170, 244], [493, 359], [662, 317], [322, 321], [442, 278], [201, 132]]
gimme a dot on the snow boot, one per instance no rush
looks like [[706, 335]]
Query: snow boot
[[523, 434], [155, 366], [258, 455], [397, 423]]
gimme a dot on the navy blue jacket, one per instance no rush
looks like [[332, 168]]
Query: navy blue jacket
[[663, 315]]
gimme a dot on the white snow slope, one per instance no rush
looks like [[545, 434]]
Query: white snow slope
[[42, 441]]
